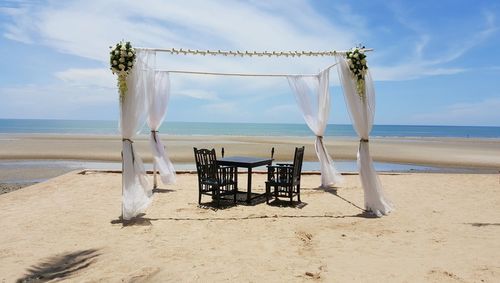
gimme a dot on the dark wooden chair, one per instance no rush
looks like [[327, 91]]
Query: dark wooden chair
[[214, 180], [283, 180]]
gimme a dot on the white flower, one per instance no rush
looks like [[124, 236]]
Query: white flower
[[355, 55], [117, 52], [122, 60], [363, 61], [130, 54], [121, 66], [123, 48], [114, 62]]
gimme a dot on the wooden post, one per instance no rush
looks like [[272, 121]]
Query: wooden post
[[122, 180], [155, 181]]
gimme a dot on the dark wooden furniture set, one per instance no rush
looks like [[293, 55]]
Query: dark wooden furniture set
[[219, 177]]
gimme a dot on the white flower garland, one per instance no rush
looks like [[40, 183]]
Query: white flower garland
[[357, 64], [122, 59]]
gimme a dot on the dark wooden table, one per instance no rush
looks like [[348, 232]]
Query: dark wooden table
[[245, 162]]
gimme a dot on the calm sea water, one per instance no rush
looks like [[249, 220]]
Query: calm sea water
[[242, 129]]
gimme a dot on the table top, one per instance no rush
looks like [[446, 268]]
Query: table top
[[244, 161]]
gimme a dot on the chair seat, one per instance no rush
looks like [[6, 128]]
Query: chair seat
[[279, 183], [213, 182]]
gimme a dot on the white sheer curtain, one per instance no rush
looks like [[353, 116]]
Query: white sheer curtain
[[135, 187], [362, 112], [313, 97], [158, 97]]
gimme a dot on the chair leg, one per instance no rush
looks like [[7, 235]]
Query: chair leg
[[217, 196], [290, 193], [235, 193], [298, 192], [199, 198], [268, 191]]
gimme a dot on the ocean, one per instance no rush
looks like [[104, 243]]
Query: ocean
[[44, 126]]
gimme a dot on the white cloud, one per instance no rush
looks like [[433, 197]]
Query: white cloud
[[17, 31], [58, 101], [85, 28], [411, 71], [482, 113], [278, 112], [422, 60], [197, 93], [224, 108], [91, 78]]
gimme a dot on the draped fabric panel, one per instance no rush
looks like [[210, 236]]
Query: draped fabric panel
[[313, 97], [158, 98], [362, 112], [136, 191]]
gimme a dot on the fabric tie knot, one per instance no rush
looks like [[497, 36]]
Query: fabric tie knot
[[363, 140], [129, 140], [154, 133]]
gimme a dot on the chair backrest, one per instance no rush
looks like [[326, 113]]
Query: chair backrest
[[206, 164], [272, 153], [297, 162]]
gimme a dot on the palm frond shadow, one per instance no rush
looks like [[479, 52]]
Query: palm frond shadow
[[60, 266]]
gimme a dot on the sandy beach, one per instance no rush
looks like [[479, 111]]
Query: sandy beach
[[445, 229]]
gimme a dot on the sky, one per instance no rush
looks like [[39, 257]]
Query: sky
[[434, 62]]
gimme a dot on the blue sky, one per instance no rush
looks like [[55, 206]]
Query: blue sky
[[435, 62]]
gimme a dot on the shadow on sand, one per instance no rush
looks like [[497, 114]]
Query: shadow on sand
[[139, 220], [364, 213], [227, 203], [162, 191], [477, 224], [60, 266]]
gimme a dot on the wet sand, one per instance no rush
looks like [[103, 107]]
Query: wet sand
[[454, 152]]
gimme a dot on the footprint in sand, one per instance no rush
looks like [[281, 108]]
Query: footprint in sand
[[316, 275], [305, 237], [144, 274], [306, 248], [444, 276]]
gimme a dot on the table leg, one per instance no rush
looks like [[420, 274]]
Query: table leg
[[249, 186]]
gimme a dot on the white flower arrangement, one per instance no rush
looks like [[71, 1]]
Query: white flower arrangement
[[356, 59], [121, 59]]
